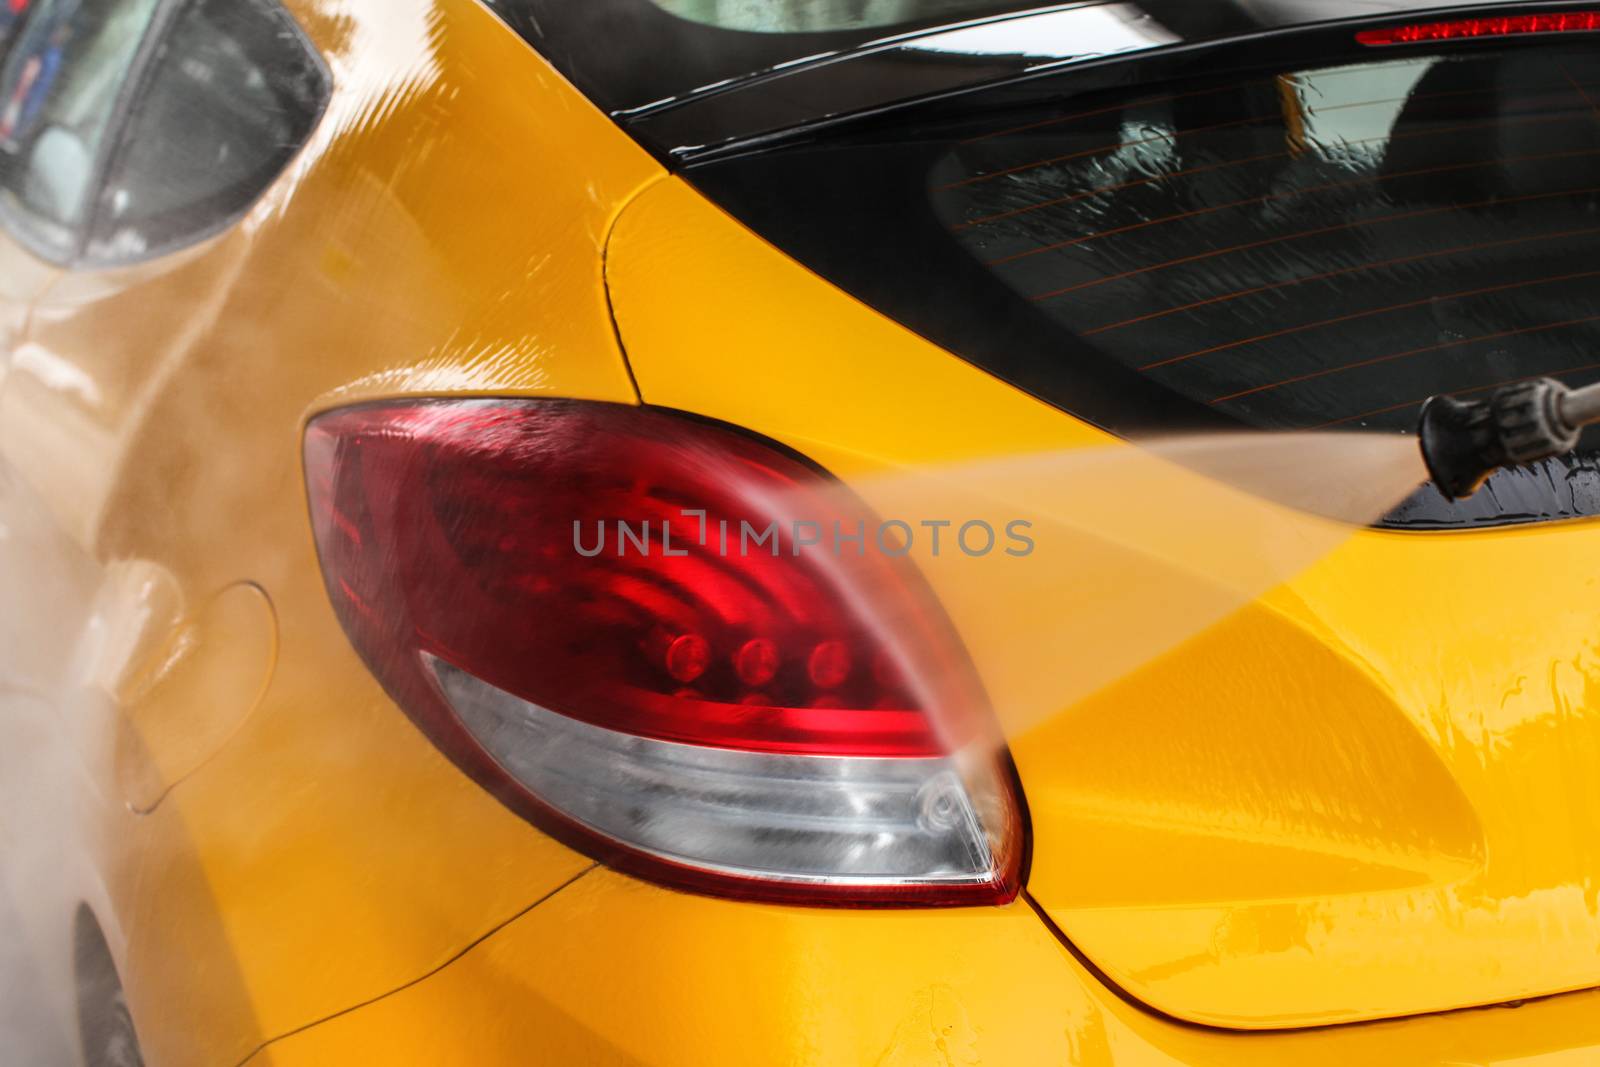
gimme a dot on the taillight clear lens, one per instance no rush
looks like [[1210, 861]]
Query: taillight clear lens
[[663, 641]]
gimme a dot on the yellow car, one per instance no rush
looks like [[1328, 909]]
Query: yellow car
[[471, 507]]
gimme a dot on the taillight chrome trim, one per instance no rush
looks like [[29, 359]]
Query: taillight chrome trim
[[640, 792]]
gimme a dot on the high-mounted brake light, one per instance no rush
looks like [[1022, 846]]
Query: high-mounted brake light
[[624, 623], [1498, 26]]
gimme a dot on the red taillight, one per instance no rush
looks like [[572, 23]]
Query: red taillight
[[1498, 26], [668, 641]]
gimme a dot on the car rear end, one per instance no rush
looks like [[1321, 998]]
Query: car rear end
[[1161, 769]]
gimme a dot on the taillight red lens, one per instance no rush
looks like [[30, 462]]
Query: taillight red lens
[[1498, 26], [697, 623]]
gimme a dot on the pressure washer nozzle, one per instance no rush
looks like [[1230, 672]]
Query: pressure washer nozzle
[[1464, 441]]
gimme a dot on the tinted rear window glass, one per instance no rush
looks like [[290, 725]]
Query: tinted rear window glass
[[1322, 246], [1312, 249]]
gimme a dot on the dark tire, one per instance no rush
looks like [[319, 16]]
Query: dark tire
[[105, 1028]]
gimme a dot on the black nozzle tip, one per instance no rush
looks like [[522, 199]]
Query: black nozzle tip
[[1459, 444], [1463, 442]]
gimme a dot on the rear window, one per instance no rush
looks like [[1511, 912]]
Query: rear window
[[1314, 248]]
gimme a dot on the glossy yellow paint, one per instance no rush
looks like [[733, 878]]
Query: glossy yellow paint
[[183, 698], [327, 852], [1360, 795], [648, 976], [315, 850], [1317, 808]]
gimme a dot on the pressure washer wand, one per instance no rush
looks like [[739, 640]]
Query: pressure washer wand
[[1464, 441]]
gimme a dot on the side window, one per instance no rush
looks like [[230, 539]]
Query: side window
[[234, 92], [58, 95]]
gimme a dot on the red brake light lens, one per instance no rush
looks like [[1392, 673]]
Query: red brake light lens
[[665, 641], [1499, 26]]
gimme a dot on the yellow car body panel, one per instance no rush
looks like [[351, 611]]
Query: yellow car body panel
[[270, 844], [1312, 811], [647, 976], [322, 851]]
